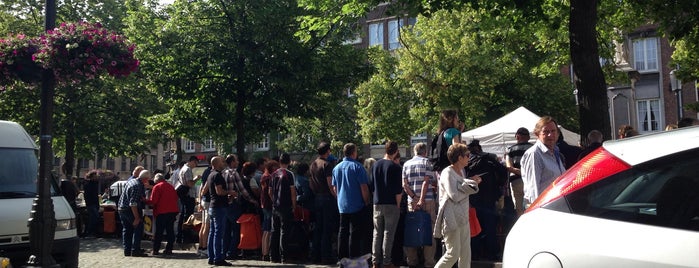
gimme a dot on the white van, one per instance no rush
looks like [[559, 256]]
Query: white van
[[18, 175]]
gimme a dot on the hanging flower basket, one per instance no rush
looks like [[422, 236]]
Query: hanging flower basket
[[74, 51], [84, 51], [16, 62]]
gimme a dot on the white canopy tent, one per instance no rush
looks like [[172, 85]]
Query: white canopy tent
[[496, 136]]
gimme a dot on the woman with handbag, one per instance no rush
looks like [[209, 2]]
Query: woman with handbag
[[452, 223]]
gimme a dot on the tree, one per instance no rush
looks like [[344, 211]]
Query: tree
[[484, 62], [83, 55], [383, 103], [234, 70]]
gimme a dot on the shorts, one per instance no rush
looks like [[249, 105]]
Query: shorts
[[205, 211], [267, 220]]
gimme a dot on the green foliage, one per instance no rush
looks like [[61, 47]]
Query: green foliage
[[383, 103], [237, 70], [485, 63]]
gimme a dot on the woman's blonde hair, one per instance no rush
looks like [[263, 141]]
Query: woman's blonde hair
[[455, 151]]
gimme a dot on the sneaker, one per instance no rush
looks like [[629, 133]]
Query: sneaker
[[203, 252]]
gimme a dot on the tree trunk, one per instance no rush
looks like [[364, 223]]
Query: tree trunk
[[584, 54], [240, 103]]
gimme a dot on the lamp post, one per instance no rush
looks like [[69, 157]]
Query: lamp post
[[676, 87], [42, 221]]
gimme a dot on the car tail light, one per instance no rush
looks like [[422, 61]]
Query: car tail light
[[596, 166]]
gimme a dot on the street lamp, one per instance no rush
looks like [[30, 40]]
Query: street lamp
[[42, 221], [676, 87]]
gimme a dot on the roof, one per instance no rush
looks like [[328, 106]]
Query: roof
[[12, 135]]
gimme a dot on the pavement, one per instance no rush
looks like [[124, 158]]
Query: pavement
[[107, 252]]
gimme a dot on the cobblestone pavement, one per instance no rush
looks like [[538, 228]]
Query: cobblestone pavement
[[107, 252]]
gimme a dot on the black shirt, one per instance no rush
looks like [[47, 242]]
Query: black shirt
[[91, 192], [216, 178]]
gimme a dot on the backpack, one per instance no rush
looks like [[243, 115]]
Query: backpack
[[438, 153]]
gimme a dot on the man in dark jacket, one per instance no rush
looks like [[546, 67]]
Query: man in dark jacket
[[494, 175]]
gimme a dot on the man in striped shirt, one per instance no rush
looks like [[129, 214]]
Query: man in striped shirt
[[420, 185]]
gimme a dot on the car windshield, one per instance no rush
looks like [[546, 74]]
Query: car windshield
[[18, 173]]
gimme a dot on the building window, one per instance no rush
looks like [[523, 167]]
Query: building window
[[422, 137], [645, 54], [376, 34], [133, 165], [123, 163], [394, 33], [188, 146], [153, 163], [648, 115], [83, 163], [209, 145], [110, 163], [264, 144], [98, 162]]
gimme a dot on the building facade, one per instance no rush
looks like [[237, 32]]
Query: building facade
[[649, 102]]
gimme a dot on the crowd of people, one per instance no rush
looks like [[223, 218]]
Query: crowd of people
[[332, 209]]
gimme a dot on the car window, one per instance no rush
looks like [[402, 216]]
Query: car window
[[662, 192]]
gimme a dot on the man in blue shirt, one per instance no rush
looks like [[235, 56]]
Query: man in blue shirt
[[131, 213], [351, 186]]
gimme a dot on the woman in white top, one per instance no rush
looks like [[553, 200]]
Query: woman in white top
[[452, 219]]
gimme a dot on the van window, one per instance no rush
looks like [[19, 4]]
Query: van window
[[18, 173]]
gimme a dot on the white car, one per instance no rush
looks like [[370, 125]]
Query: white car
[[631, 203]]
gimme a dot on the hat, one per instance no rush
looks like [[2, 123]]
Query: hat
[[474, 143], [522, 131]]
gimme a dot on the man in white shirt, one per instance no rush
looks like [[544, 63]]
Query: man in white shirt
[[186, 193], [542, 163]]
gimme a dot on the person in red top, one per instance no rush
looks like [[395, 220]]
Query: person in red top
[[163, 198]]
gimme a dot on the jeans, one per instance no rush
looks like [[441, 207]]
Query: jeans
[[93, 213], [325, 225], [281, 220], [164, 224], [354, 227], [216, 233], [231, 236], [385, 222], [131, 235]]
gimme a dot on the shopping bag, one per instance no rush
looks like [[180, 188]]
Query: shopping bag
[[417, 229], [473, 222], [250, 231]]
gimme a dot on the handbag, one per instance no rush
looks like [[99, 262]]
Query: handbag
[[473, 222], [193, 220], [418, 229]]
